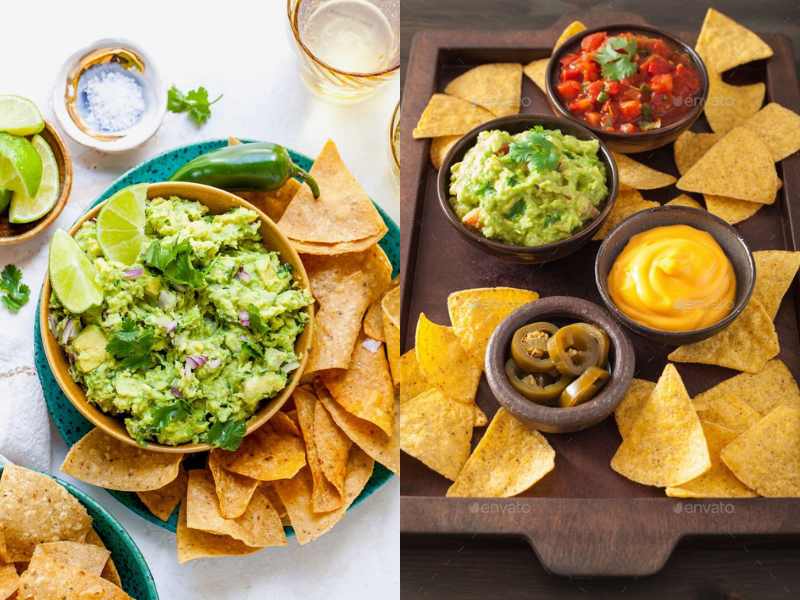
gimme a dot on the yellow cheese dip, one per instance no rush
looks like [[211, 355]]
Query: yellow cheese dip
[[673, 278]]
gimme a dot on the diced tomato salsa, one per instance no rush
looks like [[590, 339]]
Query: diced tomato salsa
[[628, 82]]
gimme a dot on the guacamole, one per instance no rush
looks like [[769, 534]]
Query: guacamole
[[528, 189], [192, 337]]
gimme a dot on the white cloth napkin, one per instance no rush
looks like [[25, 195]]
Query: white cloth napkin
[[24, 426]]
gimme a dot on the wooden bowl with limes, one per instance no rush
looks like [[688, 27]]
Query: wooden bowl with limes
[[217, 201], [17, 233]]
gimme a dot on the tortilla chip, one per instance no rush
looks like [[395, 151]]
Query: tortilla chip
[[723, 43], [440, 146], [536, 71], [87, 557], [163, 502], [296, 494], [628, 410], [773, 386], [370, 438], [193, 543], [731, 210], [345, 286], [412, 381], [305, 248], [106, 462], [110, 572], [258, 527], [272, 203], [392, 334], [628, 202], [766, 457], [476, 313], [283, 422], [35, 509], [234, 491], [745, 345], [721, 171], [637, 176], [9, 581], [778, 127], [373, 322], [684, 200], [444, 362], [49, 579], [508, 460], [572, 29], [448, 115], [342, 213], [729, 412], [775, 272], [391, 305], [267, 455], [718, 481], [665, 445], [690, 146], [437, 431], [325, 496], [731, 105], [495, 87], [333, 447]]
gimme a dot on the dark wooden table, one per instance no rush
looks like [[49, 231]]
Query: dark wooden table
[[480, 567]]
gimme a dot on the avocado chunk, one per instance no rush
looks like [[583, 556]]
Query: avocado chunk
[[262, 386], [90, 348]]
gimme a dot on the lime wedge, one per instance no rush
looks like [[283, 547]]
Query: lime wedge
[[23, 161], [120, 224], [5, 198], [26, 209], [72, 274], [19, 116]]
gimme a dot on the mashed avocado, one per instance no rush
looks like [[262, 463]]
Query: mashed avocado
[[528, 189], [190, 338]]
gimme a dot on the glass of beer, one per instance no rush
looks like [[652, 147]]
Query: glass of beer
[[347, 48]]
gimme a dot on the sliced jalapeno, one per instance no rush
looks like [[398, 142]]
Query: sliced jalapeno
[[538, 387], [584, 387], [603, 343], [574, 349], [529, 347]]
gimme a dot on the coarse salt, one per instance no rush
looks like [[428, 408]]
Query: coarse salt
[[114, 100]]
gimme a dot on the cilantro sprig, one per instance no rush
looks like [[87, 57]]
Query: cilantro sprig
[[195, 102], [175, 263], [617, 58], [535, 150], [131, 345], [227, 436], [13, 292]]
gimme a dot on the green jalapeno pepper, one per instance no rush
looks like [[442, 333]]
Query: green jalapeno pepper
[[575, 348], [259, 166], [539, 387], [584, 387], [529, 347]]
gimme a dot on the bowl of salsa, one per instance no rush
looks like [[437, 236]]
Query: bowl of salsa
[[637, 87]]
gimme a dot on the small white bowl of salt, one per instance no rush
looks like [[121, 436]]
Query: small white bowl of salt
[[109, 96]]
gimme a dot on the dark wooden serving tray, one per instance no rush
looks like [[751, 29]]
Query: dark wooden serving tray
[[583, 519]]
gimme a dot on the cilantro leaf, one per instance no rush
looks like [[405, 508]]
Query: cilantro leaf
[[195, 102], [256, 322], [131, 345], [13, 293], [616, 57], [535, 150], [164, 415], [175, 263], [227, 436]]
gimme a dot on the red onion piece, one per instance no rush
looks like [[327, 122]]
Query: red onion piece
[[244, 318], [133, 273], [176, 392], [243, 275], [68, 333]]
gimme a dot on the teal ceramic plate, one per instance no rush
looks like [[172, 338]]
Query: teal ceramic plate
[[136, 578], [69, 422]]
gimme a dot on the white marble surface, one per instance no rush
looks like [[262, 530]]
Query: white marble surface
[[240, 49]]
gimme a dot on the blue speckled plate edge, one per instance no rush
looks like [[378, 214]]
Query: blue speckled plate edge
[[137, 580], [69, 422]]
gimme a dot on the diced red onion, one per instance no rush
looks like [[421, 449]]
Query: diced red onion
[[170, 326], [194, 362], [133, 273], [214, 363], [68, 333], [176, 392], [244, 318], [200, 360], [52, 322], [371, 345], [243, 275]]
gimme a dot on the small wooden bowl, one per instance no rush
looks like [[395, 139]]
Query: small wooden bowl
[[217, 201], [10, 233], [554, 419]]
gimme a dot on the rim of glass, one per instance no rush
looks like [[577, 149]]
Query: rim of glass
[[393, 125], [293, 25]]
